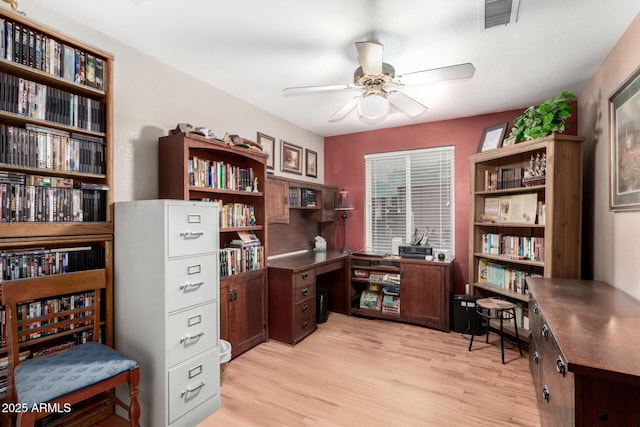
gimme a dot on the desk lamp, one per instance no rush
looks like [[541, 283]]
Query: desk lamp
[[344, 205]]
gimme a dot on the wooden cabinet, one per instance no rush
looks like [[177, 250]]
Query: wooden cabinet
[[56, 173], [285, 194], [521, 227], [584, 365], [167, 302], [424, 289], [196, 168], [243, 317]]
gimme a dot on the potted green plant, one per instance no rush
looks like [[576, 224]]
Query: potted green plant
[[542, 120]]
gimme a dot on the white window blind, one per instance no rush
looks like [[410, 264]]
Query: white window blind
[[410, 190]]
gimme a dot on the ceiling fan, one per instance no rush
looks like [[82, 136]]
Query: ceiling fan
[[379, 85]]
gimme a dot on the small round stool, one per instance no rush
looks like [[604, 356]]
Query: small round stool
[[496, 309]]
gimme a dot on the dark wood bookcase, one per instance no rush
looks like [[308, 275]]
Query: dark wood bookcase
[[56, 176], [243, 297]]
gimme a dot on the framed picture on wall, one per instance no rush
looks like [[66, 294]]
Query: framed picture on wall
[[268, 144], [624, 141], [291, 160], [492, 137], [311, 163]]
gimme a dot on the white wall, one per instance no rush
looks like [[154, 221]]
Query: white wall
[[150, 98], [612, 249]]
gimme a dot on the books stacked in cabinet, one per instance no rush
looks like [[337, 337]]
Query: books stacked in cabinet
[[193, 167], [526, 211], [402, 289], [55, 183]]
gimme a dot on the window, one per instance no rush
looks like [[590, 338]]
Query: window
[[408, 191]]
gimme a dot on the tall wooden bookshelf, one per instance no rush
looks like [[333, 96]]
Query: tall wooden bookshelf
[[196, 168], [56, 173], [503, 249]]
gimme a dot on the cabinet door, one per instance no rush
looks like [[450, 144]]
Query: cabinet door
[[422, 293], [225, 298], [247, 324], [277, 201]]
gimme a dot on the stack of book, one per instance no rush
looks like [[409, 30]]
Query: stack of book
[[246, 253]]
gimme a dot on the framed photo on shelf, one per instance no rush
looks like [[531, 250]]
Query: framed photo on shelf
[[492, 137], [268, 144], [291, 160], [624, 107], [311, 163]]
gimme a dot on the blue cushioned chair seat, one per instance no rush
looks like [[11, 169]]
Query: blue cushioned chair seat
[[46, 378]]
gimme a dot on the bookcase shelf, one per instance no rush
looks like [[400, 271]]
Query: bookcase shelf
[[225, 173], [548, 246], [21, 75]]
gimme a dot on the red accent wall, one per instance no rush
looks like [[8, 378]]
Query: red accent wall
[[344, 167]]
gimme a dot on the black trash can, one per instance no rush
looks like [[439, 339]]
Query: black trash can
[[322, 306], [465, 315]]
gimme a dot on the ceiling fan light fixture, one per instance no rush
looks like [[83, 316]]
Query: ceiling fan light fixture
[[373, 106]]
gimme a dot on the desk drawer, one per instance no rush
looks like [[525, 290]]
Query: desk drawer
[[191, 332], [304, 291], [301, 278], [304, 322], [192, 383], [190, 230]]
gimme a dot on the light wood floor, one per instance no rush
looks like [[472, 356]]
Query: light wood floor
[[354, 371]]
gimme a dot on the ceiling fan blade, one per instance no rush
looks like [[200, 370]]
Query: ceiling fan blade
[[344, 110], [303, 90], [370, 57], [451, 72], [404, 103]]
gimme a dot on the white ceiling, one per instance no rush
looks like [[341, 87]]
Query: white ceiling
[[253, 49]]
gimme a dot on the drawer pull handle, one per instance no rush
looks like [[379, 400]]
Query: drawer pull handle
[[191, 234], [305, 325], [305, 308], [305, 292], [192, 389], [305, 276], [190, 286], [546, 394], [545, 331], [536, 357], [603, 416], [561, 367], [536, 310], [190, 337]]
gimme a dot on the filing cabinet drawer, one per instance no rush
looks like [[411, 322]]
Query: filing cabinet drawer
[[303, 291], [191, 230], [191, 281], [191, 332], [192, 383]]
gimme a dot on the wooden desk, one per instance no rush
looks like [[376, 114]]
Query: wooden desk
[[293, 282]]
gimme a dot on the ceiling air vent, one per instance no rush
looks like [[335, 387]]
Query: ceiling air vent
[[494, 13]]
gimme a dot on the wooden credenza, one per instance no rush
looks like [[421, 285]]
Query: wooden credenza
[[584, 353]]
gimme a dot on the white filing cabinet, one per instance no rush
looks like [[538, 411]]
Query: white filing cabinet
[[166, 311]]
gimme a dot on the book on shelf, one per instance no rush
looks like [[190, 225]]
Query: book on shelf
[[371, 300], [518, 208], [248, 238], [391, 304]]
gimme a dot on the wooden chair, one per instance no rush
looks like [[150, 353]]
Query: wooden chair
[[64, 378]]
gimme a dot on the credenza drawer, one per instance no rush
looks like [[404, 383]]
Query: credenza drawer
[[302, 278], [191, 281], [192, 383], [191, 332], [191, 230], [304, 324]]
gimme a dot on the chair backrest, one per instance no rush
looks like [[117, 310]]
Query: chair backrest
[[50, 325]]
